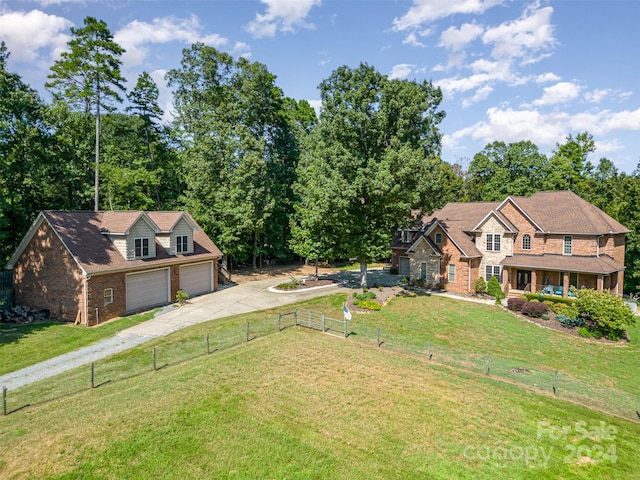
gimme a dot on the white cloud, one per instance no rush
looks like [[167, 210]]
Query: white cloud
[[456, 39], [241, 49], [597, 95], [316, 105], [46, 3], [528, 34], [547, 77], [282, 15], [426, 11], [34, 36], [481, 94], [136, 35], [544, 129], [561, 92], [401, 71], [608, 146], [412, 39]]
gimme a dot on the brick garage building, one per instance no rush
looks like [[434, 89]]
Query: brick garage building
[[94, 266], [549, 241]]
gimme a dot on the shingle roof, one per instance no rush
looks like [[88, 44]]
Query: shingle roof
[[603, 264], [81, 232], [566, 212]]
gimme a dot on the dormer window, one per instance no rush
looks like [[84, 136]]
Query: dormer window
[[406, 236], [141, 247], [182, 244]]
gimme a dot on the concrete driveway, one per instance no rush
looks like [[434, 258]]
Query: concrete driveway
[[230, 300]]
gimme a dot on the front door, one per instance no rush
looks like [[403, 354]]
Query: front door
[[523, 280]]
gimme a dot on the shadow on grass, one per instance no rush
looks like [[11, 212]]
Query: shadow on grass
[[12, 332]]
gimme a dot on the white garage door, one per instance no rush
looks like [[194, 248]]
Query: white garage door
[[196, 279], [147, 289], [403, 266]]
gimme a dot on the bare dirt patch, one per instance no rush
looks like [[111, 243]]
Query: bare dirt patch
[[244, 275]]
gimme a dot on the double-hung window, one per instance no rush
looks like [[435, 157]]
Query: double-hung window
[[438, 238], [108, 296], [182, 244], [568, 247], [493, 242], [141, 247], [452, 273], [492, 271]]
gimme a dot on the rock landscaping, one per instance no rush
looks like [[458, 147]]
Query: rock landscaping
[[21, 314]]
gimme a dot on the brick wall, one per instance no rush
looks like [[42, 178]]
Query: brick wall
[[95, 297], [46, 276]]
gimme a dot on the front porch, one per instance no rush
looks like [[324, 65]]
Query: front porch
[[518, 281]]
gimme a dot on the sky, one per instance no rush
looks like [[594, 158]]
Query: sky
[[509, 70]]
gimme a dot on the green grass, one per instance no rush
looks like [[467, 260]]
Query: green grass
[[25, 345], [302, 405]]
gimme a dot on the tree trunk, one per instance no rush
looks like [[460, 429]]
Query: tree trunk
[[316, 269], [363, 275], [97, 173], [255, 247]]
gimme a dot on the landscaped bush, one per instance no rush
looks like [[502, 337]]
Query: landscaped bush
[[365, 295], [568, 321], [516, 304], [480, 286], [368, 305], [292, 285], [542, 298], [494, 289], [605, 313], [534, 309], [587, 332]]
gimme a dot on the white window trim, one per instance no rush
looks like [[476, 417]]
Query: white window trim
[[451, 273], [564, 245], [493, 272], [182, 246], [142, 239], [110, 290], [493, 242], [437, 236], [523, 239], [406, 238]]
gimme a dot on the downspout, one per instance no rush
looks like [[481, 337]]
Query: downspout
[[469, 275], [86, 300]]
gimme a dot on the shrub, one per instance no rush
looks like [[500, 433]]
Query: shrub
[[587, 332], [181, 297], [568, 321], [604, 313], [542, 298], [368, 305], [480, 286], [365, 295], [516, 304], [534, 309], [393, 271], [545, 316], [494, 289], [292, 285]]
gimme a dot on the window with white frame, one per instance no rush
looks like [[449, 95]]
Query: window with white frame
[[568, 245], [406, 236], [492, 271], [526, 242], [141, 247], [493, 242], [108, 296], [438, 238], [452, 273], [182, 244]]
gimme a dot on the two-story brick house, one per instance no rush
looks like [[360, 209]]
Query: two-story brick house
[[93, 266], [550, 240]]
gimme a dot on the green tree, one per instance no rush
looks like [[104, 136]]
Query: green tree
[[88, 76], [604, 312], [568, 167], [27, 176], [500, 170], [373, 156], [627, 211]]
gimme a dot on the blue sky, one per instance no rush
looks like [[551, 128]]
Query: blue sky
[[509, 70]]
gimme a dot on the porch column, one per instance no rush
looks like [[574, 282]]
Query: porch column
[[600, 282], [505, 280], [534, 282], [565, 284]]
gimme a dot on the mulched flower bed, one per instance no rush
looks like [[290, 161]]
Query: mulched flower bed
[[308, 283], [383, 294]]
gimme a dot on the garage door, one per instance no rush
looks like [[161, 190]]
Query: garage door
[[196, 279], [403, 266], [147, 289]]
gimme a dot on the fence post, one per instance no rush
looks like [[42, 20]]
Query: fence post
[[279, 322], [4, 401], [345, 328], [488, 367], [295, 316], [323, 329], [154, 359], [555, 384], [429, 349], [247, 331], [208, 345], [378, 336], [93, 375]]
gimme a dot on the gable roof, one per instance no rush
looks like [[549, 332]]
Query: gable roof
[[83, 235], [564, 212], [166, 221], [425, 238]]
